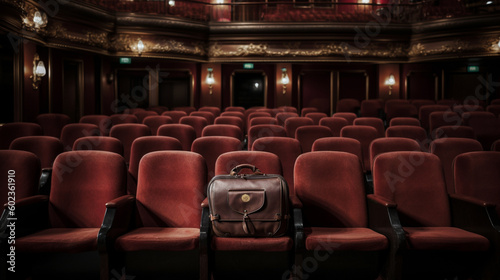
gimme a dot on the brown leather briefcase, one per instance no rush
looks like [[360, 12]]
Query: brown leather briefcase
[[251, 205]]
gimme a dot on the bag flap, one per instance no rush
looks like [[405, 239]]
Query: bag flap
[[246, 201]]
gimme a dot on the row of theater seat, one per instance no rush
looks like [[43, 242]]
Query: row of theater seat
[[409, 227]]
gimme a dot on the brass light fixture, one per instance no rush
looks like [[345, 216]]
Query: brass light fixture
[[38, 71], [390, 81], [35, 20], [284, 79], [210, 79]]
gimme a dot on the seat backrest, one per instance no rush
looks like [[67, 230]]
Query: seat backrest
[[281, 117], [158, 109], [453, 131], [170, 189], [102, 121], [198, 123], [211, 147], [335, 124], [214, 110], [231, 120], [307, 110], [306, 135], [365, 135], [495, 147], [123, 118], [262, 120], [415, 182], [422, 102], [71, 132], [52, 123], [350, 117], [339, 144], [348, 105], [287, 149], [461, 109], [316, 116], [187, 109], [20, 169], [331, 188], [266, 162], [425, 111], [79, 192], [11, 131], [154, 122], [235, 109], [288, 109], [182, 132], [447, 149], [443, 118], [127, 133], [477, 119], [394, 102], [99, 143], [371, 108], [205, 114], [256, 114], [376, 123], [401, 110], [477, 174], [175, 115], [404, 121], [141, 115], [409, 131], [147, 144], [46, 148], [223, 130], [264, 130], [393, 144], [291, 124], [494, 109]]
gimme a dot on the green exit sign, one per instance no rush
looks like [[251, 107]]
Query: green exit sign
[[247, 65], [472, 68], [125, 60]]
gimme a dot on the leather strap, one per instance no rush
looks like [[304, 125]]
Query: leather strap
[[239, 167], [248, 227]]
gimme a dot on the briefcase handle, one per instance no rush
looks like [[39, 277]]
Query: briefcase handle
[[238, 168]]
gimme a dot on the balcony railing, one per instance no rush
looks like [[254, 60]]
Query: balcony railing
[[404, 11]]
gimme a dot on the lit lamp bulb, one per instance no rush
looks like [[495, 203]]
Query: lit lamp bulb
[[390, 82], [37, 18], [171, 3], [284, 79], [140, 46], [40, 69], [210, 79]]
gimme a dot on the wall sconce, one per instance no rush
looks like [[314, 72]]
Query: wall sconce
[[38, 71], [171, 3], [210, 79], [140, 46], [35, 20], [284, 79], [390, 82]]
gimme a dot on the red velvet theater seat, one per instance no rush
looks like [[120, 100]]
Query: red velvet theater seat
[[187, 109], [198, 123], [425, 111], [211, 147], [306, 135], [141, 115], [123, 118], [46, 148], [453, 131], [365, 135], [447, 149], [376, 123], [372, 108], [175, 115], [443, 118], [339, 144], [410, 205], [287, 149], [335, 124], [404, 121], [307, 110], [182, 132], [231, 120], [154, 122], [71, 132], [99, 143], [52, 123], [350, 117], [281, 117], [348, 105], [214, 110], [142, 146], [164, 219], [393, 144], [477, 177], [247, 256], [127, 133], [263, 120], [331, 190], [264, 130], [204, 114], [56, 235], [316, 116], [10, 131], [223, 130], [292, 123], [234, 109], [409, 131], [102, 121]]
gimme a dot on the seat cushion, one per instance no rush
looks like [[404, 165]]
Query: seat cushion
[[57, 240], [159, 239], [445, 238], [273, 244], [352, 239]]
